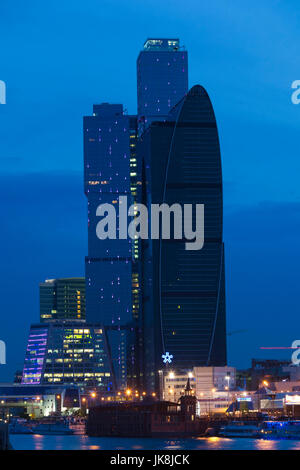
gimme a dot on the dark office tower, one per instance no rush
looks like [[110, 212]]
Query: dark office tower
[[62, 299], [184, 298], [162, 79], [110, 172]]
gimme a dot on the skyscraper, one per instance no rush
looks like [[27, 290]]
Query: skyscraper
[[162, 79], [62, 299], [184, 291], [110, 171]]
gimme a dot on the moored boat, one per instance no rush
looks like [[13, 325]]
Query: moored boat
[[240, 429], [19, 428], [57, 429], [280, 429]]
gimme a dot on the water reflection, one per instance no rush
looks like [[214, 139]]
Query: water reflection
[[43, 442], [262, 444], [173, 445], [38, 442]]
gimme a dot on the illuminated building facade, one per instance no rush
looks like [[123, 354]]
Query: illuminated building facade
[[69, 354], [162, 79], [184, 291], [112, 271], [62, 299], [39, 400]]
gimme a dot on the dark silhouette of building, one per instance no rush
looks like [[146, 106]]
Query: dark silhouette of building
[[264, 370], [148, 418], [184, 291]]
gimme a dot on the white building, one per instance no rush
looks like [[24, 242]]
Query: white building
[[213, 386], [205, 381], [210, 380]]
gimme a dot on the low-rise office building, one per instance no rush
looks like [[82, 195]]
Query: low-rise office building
[[66, 353]]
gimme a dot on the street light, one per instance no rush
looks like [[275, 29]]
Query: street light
[[227, 377]]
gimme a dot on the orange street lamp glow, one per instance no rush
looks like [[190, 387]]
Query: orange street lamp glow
[[93, 394], [128, 392]]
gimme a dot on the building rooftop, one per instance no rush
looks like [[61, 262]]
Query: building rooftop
[[163, 44]]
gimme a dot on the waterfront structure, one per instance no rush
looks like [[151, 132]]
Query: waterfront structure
[[269, 370], [68, 354], [4, 436], [112, 266], [184, 291], [148, 418], [62, 299], [38, 400], [205, 382], [162, 78]]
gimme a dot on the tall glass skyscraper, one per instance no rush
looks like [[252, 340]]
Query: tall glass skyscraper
[[184, 291], [112, 284], [162, 79]]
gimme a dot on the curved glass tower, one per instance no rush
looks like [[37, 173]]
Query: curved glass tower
[[184, 299]]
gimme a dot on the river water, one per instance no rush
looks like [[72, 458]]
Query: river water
[[76, 442]]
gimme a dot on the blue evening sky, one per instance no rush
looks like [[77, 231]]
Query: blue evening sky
[[58, 58]]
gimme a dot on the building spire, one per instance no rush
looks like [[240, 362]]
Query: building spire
[[188, 388]]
